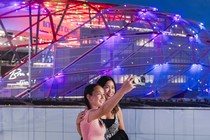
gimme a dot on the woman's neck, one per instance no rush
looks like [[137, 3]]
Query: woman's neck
[[94, 107]]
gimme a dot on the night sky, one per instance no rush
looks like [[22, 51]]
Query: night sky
[[198, 10]]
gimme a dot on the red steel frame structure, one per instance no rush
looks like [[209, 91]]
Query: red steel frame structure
[[143, 42]]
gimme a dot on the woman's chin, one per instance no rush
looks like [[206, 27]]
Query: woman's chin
[[107, 98]]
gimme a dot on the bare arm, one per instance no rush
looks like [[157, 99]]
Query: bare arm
[[112, 102], [120, 117]]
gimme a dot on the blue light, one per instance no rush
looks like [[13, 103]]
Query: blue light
[[151, 92], [189, 89], [155, 9], [206, 90], [201, 25], [161, 67], [117, 70], [196, 68]]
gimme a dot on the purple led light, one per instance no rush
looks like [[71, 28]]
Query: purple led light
[[155, 9], [15, 4], [143, 10], [46, 78], [177, 17], [59, 74], [191, 38], [118, 34]]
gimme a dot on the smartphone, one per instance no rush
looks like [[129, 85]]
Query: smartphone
[[139, 80]]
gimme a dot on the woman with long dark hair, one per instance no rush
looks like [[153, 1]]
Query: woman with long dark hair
[[113, 120]]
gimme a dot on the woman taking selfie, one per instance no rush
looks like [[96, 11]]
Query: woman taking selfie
[[92, 127]]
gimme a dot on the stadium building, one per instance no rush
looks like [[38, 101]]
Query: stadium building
[[55, 48]]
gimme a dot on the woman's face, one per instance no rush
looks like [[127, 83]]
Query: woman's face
[[109, 89], [97, 98]]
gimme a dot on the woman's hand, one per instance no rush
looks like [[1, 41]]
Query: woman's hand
[[80, 117], [128, 85]]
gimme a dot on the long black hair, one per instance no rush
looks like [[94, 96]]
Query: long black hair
[[102, 81], [89, 90]]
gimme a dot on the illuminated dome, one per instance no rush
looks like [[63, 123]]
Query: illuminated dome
[[75, 42]]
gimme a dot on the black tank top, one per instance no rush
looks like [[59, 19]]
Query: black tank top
[[112, 126]]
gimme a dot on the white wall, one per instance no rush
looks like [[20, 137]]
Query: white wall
[[39, 123]]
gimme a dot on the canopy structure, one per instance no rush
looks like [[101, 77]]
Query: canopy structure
[[58, 47]]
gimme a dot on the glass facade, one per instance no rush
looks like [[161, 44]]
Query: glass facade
[[73, 43]]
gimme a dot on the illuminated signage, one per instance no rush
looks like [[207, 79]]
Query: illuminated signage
[[16, 73], [62, 28], [20, 84]]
